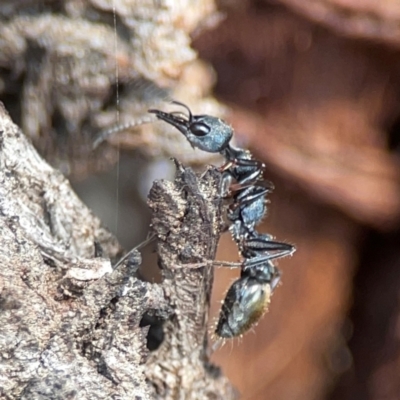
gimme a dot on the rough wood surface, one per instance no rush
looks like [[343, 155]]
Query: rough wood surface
[[187, 222], [69, 322]]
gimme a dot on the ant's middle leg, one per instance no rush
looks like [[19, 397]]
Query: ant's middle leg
[[253, 246]]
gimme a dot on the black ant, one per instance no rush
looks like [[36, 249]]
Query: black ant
[[243, 183]]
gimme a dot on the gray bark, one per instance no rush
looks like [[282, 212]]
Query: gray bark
[[69, 322]]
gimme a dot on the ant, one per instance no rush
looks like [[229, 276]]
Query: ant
[[242, 182]]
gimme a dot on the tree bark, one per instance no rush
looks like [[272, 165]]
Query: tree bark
[[70, 323]]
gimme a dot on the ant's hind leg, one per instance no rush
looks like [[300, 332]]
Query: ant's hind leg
[[131, 252]]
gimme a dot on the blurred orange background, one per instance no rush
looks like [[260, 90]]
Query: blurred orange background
[[313, 88]]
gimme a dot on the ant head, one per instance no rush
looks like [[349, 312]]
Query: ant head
[[205, 132]]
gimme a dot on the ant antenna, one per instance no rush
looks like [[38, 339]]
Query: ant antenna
[[184, 106], [103, 135]]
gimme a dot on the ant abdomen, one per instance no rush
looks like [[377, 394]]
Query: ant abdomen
[[245, 303]]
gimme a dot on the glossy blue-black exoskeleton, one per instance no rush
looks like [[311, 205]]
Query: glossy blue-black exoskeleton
[[243, 184]]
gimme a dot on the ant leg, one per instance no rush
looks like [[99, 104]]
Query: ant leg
[[228, 188], [275, 280], [261, 259], [132, 251], [225, 228], [249, 196], [225, 167], [250, 179], [251, 176], [259, 245], [227, 264], [242, 162], [250, 169], [209, 262], [236, 187], [226, 183], [256, 170]]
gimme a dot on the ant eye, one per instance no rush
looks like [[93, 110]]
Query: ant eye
[[199, 129]]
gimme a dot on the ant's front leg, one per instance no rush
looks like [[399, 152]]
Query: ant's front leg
[[246, 172]]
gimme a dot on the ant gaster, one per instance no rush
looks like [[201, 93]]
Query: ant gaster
[[243, 183]]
